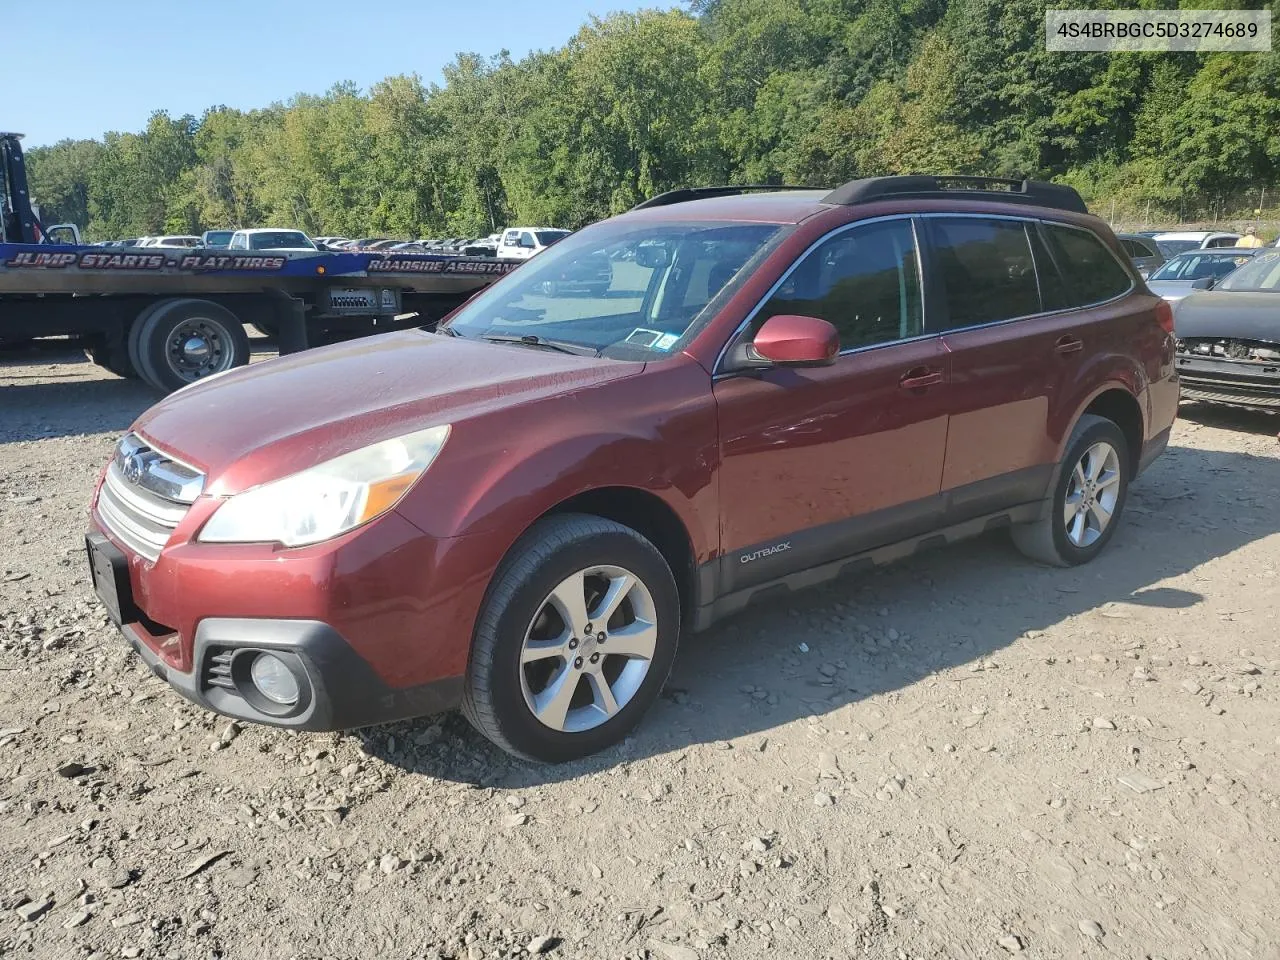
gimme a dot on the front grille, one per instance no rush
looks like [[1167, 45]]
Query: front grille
[[145, 495]]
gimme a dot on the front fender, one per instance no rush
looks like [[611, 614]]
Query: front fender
[[502, 471]]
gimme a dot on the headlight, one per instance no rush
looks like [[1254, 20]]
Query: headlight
[[328, 499]]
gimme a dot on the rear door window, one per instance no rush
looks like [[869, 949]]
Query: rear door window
[[1090, 272], [985, 268]]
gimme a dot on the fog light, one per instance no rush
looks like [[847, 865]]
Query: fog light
[[274, 679]]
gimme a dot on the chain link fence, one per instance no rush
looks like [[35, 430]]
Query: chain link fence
[[1256, 206]]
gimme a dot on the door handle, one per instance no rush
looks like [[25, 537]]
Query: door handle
[[1068, 344], [918, 377]]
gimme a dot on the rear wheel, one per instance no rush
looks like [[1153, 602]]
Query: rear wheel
[[181, 341], [1088, 497], [111, 355], [575, 640]]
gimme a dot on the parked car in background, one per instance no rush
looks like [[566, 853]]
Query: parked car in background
[[1172, 244], [1197, 270], [1229, 337], [216, 238], [408, 246], [270, 238], [589, 275], [521, 243], [1144, 253], [331, 242], [522, 512], [172, 240]]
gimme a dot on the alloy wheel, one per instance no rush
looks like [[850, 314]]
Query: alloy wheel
[[588, 648], [1092, 492]]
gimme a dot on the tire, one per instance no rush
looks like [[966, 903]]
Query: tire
[[1060, 542], [521, 611], [111, 356], [166, 363], [133, 341]]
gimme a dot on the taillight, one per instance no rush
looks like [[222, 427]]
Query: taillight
[[1164, 316]]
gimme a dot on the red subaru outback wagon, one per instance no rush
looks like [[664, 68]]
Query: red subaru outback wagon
[[522, 511]]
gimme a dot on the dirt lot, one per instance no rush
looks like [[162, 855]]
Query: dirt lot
[[961, 756]]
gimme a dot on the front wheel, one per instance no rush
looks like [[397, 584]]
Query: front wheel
[[575, 639], [1088, 497]]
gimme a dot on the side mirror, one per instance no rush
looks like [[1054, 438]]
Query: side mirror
[[789, 340], [67, 233], [1204, 283]]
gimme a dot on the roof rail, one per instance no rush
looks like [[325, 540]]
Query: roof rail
[[685, 194], [1037, 192]]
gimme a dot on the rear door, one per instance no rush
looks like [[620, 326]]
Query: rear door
[[819, 463], [1019, 332]]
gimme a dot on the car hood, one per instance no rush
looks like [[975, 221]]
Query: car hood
[[274, 418], [1171, 289], [1226, 313]]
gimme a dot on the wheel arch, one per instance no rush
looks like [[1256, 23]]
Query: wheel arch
[[1123, 409], [651, 517]]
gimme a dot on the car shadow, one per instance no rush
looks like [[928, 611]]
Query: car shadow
[[1230, 418], [960, 607], [56, 400]]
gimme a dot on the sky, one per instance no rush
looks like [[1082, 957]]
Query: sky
[[79, 69]]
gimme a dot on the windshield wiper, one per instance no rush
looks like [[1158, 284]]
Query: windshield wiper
[[533, 340]]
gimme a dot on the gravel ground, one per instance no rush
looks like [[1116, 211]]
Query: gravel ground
[[964, 755]]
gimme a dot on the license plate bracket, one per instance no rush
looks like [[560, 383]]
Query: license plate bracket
[[109, 570]]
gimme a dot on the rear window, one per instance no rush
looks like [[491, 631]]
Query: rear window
[[278, 239], [1137, 248], [1196, 266], [986, 268], [1090, 272]]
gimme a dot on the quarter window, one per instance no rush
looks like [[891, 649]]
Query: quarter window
[[1090, 272], [865, 282], [986, 270]]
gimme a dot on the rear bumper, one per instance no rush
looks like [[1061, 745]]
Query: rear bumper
[[1232, 382], [339, 690]]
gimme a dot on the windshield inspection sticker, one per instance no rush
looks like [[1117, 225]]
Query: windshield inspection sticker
[[641, 337], [665, 341]]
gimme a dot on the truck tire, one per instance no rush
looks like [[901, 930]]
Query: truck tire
[[113, 356], [177, 342]]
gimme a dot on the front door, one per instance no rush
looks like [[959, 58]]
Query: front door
[[819, 463]]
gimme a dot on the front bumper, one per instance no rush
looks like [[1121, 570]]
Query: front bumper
[[339, 690], [1240, 383], [376, 625]]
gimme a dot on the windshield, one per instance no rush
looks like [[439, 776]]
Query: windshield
[[1260, 273], [278, 240], [621, 290], [1171, 248], [1195, 266], [218, 238], [548, 237]]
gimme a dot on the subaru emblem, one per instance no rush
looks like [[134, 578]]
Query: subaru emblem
[[133, 468]]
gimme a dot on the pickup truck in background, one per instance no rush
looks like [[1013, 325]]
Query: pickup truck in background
[[170, 316]]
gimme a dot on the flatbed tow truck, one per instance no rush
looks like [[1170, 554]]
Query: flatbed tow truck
[[173, 316]]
